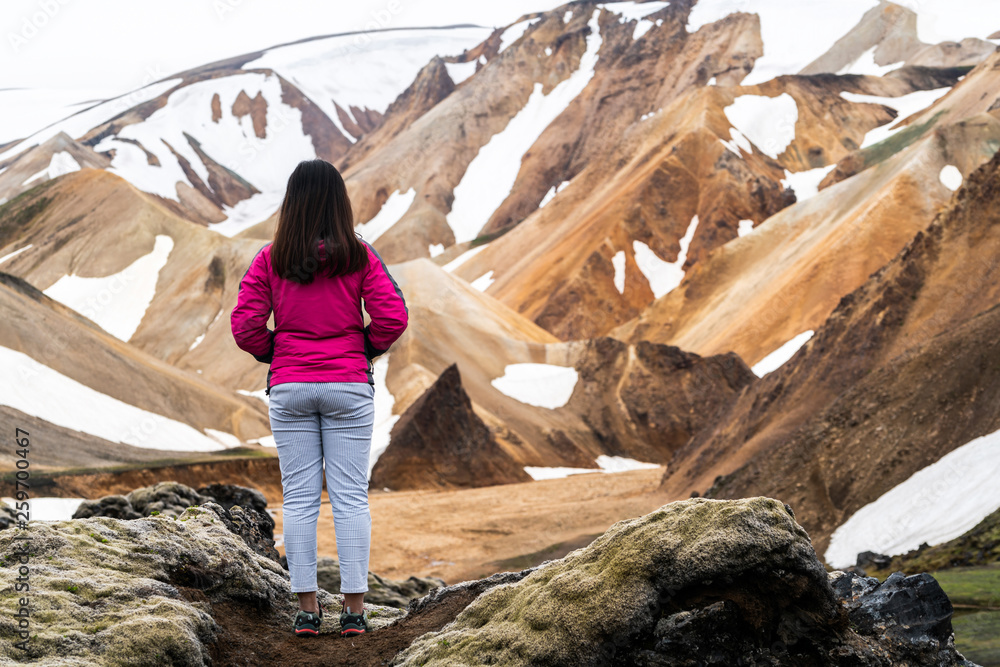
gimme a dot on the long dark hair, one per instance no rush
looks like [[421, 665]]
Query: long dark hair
[[316, 208]]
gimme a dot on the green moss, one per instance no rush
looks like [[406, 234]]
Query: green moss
[[886, 148], [977, 637], [559, 612], [972, 586], [17, 215]]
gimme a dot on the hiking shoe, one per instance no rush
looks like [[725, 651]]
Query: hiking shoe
[[353, 624], [307, 623]]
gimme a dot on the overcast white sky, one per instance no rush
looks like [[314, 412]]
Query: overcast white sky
[[104, 45]]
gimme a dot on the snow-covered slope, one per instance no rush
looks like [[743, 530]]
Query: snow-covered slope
[[366, 73]]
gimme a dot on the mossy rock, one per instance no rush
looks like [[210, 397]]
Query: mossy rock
[[594, 603], [139, 593]]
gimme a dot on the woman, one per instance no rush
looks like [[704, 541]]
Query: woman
[[314, 277]]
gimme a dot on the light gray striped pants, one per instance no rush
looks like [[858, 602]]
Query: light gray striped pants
[[313, 423]]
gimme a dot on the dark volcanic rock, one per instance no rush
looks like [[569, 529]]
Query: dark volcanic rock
[[440, 442], [170, 498], [868, 560], [116, 507], [381, 591], [243, 510], [228, 495], [256, 528], [909, 615]]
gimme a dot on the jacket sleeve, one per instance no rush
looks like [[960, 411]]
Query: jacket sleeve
[[253, 308], [385, 305]]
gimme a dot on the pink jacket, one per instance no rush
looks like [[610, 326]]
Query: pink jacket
[[319, 333]]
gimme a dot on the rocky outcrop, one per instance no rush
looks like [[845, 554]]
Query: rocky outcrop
[[242, 510], [697, 582], [169, 498], [381, 591], [116, 507], [646, 401], [909, 617], [228, 495], [440, 442], [155, 590]]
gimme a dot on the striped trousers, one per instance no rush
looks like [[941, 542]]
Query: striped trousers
[[317, 425]]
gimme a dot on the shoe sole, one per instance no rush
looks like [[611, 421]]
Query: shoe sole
[[351, 632], [305, 633]]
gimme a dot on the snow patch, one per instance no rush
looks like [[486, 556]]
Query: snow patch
[[463, 258], [936, 504], [266, 441], [768, 122], [197, 342], [633, 11], [459, 72], [227, 440], [805, 184], [777, 359], [746, 226], [663, 276], [607, 464], [47, 394], [737, 143], [391, 212], [116, 303], [260, 393], [488, 180], [618, 262], [515, 32], [953, 20], [905, 105], [384, 419], [541, 385], [951, 177], [435, 249], [553, 191], [568, 16], [865, 65], [483, 282], [15, 253], [622, 464], [61, 163], [49, 508]]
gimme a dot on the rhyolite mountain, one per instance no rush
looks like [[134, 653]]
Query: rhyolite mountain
[[602, 217]]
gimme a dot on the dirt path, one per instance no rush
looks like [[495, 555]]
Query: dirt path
[[250, 638]]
